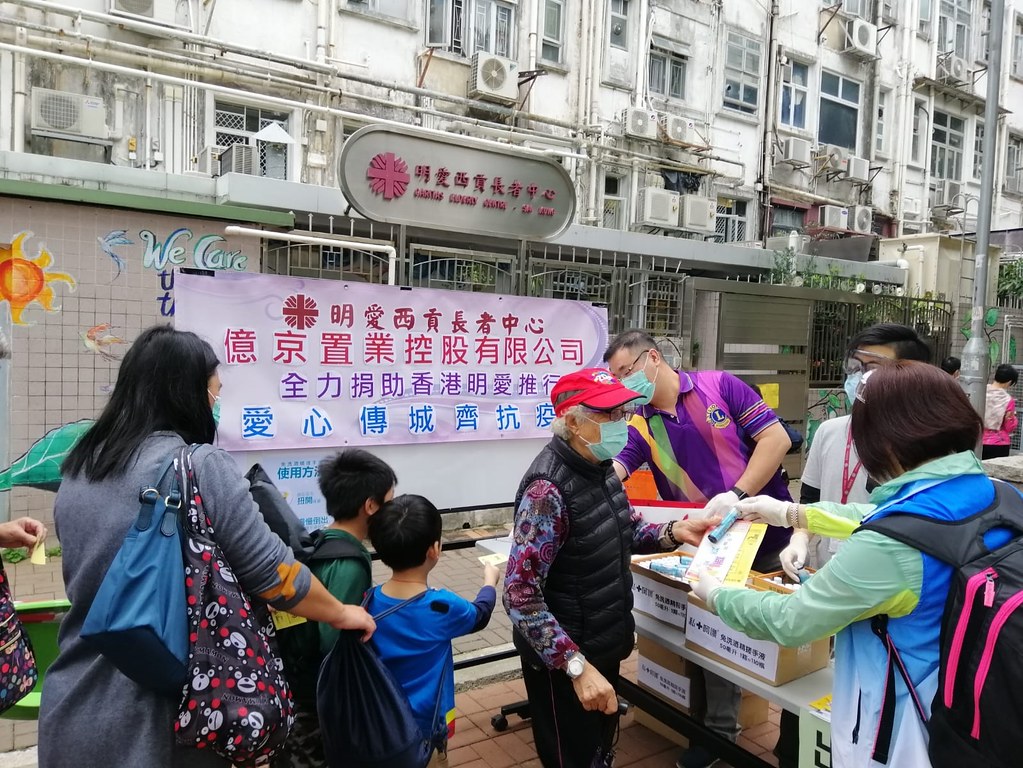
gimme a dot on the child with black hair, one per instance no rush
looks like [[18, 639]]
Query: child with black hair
[[355, 484], [415, 642]]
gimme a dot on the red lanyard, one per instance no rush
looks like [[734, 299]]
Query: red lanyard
[[849, 479]]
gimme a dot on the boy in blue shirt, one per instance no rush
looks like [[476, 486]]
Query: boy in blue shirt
[[415, 642], [355, 484]]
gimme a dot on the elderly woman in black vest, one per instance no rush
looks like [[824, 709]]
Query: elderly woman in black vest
[[568, 588]]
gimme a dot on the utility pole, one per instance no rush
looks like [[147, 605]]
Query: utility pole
[[975, 355]]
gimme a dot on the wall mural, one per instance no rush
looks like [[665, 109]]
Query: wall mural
[[181, 248], [39, 467], [24, 281], [829, 404], [110, 241], [98, 338]]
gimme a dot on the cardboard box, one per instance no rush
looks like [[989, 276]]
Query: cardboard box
[[750, 712], [709, 636], [656, 595], [762, 581], [814, 741], [664, 673], [670, 677]]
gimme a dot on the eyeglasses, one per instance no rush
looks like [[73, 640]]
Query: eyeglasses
[[615, 414], [628, 371], [853, 363], [861, 394]]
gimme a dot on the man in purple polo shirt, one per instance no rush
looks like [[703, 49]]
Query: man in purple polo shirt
[[709, 438]]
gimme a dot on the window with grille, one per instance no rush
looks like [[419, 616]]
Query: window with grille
[[860, 8], [326, 262], [947, 140], [237, 124], [494, 27], [984, 38], [731, 220], [461, 270], [658, 300], [667, 74], [614, 202], [1014, 165], [742, 73], [445, 25], [553, 281], [785, 219], [954, 22]]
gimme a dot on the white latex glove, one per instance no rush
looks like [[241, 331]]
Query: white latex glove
[[793, 557], [764, 509], [722, 504], [706, 587]]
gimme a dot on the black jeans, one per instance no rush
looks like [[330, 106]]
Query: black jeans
[[995, 451], [565, 734]]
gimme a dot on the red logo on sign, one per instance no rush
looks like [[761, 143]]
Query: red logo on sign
[[300, 312], [388, 175]]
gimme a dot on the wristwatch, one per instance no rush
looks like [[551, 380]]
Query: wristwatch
[[740, 493], [575, 666]]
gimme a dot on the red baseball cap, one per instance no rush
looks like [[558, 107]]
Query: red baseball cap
[[594, 387]]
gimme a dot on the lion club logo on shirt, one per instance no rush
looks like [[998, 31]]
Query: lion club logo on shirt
[[717, 417]]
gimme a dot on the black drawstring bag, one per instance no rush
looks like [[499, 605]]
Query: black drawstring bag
[[365, 717]]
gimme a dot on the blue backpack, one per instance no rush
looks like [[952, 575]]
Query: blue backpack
[[365, 717], [137, 619]]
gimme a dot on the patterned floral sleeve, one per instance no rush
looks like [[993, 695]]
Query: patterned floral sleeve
[[541, 526], [646, 537]]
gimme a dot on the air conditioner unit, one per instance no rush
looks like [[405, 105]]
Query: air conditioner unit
[[952, 69], [699, 214], [240, 158], [68, 114], [798, 152], [782, 242], [833, 217], [161, 12], [861, 39], [861, 219], [678, 129], [857, 169], [834, 157], [494, 78], [639, 123], [658, 208], [208, 161]]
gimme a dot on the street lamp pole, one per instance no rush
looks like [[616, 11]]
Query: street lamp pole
[[975, 355]]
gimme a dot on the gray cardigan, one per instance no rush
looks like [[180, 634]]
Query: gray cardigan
[[91, 715]]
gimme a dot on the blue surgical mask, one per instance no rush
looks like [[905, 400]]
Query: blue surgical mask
[[852, 383], [216, 407], [641, 385], [613, 437]]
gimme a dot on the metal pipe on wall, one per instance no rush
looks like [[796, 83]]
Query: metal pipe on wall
[[975, 354]]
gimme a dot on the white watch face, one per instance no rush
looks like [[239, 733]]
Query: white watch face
[[575, 667]]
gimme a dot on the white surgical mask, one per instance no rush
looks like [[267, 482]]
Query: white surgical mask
[[852, 383]]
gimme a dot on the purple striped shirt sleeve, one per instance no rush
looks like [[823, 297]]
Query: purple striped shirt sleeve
[[753, 414]]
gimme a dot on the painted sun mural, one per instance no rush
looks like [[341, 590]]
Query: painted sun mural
[[24, 281]]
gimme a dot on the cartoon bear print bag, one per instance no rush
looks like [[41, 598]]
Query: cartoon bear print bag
[[236, 701]]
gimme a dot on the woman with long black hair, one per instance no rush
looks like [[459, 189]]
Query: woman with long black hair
[[166, 396]]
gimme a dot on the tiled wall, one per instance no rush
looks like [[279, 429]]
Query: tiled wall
[[56, 378]]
